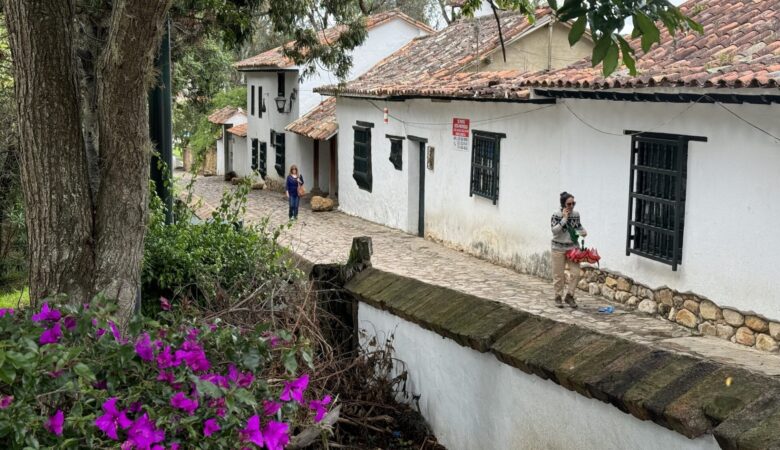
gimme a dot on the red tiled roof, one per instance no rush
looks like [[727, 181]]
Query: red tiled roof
[[275, 59], [222, 115], [238, 130], [319, 123], [740, 47], [432, 65]]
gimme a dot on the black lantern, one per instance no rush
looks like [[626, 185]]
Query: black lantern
[[280, 103]]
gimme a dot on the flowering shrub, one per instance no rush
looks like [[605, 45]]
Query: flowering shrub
[[70, 378]]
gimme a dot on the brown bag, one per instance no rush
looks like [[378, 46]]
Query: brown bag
[[301, 190]]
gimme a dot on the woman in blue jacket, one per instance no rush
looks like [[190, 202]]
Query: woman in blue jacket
[[294, 181]]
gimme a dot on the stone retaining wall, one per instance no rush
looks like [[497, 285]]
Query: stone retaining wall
[[685, 308]]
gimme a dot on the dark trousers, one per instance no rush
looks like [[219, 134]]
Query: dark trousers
[[294, 201]]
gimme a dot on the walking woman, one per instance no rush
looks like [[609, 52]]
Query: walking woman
[[293, 190], [566, 226]]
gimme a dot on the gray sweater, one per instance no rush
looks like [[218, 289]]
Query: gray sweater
[[561, 240]]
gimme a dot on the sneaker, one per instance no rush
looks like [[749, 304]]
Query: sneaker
[[570, 301], [558, 301]]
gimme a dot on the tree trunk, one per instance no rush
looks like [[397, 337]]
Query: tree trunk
[[84, 241], [54, 179]]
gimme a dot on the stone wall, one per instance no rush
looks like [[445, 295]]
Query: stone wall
[[685, 308]]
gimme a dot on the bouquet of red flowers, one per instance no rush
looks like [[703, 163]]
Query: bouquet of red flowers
[[580, 253]]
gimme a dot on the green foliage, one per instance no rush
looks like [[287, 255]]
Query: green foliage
[[220, 256], [73, 361], [191, 125], [15, 299]]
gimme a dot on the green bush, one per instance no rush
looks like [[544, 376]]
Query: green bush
[[219, 258], [69, 378]]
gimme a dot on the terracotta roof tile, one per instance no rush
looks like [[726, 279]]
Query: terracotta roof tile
[[430, 65], [222, 115], [740, 44], [319, 123], [238, 130], [275, 59]]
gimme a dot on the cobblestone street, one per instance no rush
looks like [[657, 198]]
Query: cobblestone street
[[326, 238]]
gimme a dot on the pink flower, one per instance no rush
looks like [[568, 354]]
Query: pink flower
[[251, 432], [272, 339], [165, 359], [181, 401], [144, 349], [275, 435], [216, 379], [5, 401], [55, 422], [116, 333], [52, 335], [46, 313], [70, 323], [6, 311], [243, 379], [210, 427], [166, 376], [175, 446], [270, 408], [143, 434], [165, 304], [193, 354], [319, 407], [293, 390], [219, 405], [192, 334], [112, 419]]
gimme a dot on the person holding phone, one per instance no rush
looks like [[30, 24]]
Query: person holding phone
[[293, 188], [566, 228]]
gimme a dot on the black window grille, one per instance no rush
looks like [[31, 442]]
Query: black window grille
[[361, 171], [396, 152], [252, 103], [485, 159], [279, 147], [656, 202], [260, 102], [280, 84], [262, 165], [258, 157]]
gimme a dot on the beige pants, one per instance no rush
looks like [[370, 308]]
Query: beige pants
[[559, 264]]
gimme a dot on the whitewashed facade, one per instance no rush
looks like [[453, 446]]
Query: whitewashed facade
[[266, 83], [225, 158], [728, 252]]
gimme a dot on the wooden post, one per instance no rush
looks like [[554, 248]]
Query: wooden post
[[316, 185], [333, 182], [360, 253]]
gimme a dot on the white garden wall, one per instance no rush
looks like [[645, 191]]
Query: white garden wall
[[728, 251], [473, 401]]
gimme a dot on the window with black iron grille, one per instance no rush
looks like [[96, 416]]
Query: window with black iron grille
[[262, 165], [258, 157], [396, 152], [362, 156], [260, 104], [252, 103], [656, 203], [280, 84], [279, 147], [485, 158]]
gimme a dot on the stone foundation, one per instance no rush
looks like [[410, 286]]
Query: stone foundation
[[687, 309]]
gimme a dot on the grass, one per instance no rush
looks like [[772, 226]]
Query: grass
[[11, 299]]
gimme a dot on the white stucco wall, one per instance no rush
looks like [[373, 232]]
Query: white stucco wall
[[728, 251], [220, 157], [242, 158], [474, 401]]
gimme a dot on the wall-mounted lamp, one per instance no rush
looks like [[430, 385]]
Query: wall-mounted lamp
[[281, 102]]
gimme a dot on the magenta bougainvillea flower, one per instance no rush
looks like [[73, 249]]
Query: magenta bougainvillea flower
[[143, 434], [251, 432], [219, 406], [116, 333], [241, 379], [175, 446], [168, 377], [192, 334], [293, 390], [276, 435], [319, 407], [181, 401], [272, 339], [55, 422], [70, 323], [270, 408], [216, 379], [5, 401], [194, 356], [210, 427], [144, 348], [165, 304], [166, 359], [52, 315], [52, 335], [113, 419], [6, 311]]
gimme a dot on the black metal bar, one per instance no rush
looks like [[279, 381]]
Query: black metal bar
[[665, 136], [654, 228], [629, 236], [651, 198], [160, 127], [654, 170], [679, 209]]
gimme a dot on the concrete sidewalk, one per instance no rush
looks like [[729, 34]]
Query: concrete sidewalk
[[327, 237]]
